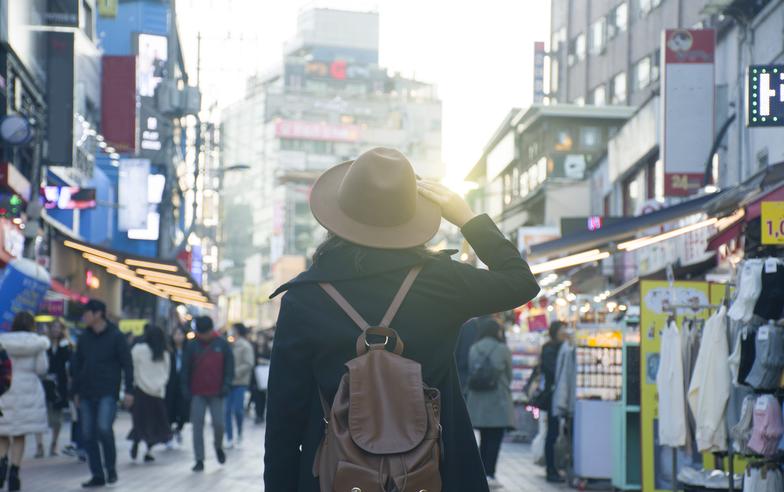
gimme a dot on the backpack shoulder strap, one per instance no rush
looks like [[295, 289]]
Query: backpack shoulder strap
[[345, 305], [400, 296]]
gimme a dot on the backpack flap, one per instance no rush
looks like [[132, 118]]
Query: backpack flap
[[387, 413]]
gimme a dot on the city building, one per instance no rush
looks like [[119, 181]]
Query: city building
[[327, 102]]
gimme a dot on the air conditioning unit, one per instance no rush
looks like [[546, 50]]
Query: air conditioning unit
[[168, 98], [191, 99]]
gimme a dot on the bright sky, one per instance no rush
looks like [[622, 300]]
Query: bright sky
[[480, 55]]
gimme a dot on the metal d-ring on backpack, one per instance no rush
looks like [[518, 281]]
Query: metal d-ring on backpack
[[382, 431]]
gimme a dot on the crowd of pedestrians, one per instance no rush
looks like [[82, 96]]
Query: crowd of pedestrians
[[164, 381]]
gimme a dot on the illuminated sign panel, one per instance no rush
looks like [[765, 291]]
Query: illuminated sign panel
[[68, 197], [765, 95]]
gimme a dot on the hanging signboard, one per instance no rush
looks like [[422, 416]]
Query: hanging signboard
[[23, 285], [772, 223], [687, 107], [765, 101]]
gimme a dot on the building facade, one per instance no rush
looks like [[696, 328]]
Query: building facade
[[325, 103]]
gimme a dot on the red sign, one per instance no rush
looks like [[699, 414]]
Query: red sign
[[118, 102], [537, 323], [12, 180], [312, 130], [690, 46]]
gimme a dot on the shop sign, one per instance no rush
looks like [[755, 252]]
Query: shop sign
[[54, 307], [539, 55], [772, 223], [107, 8], [62, 13], [687, 107], [13, 180], [313, 130], [765, 85], [23, 285]]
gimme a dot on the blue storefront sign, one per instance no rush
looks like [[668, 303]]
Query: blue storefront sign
[[23, 285], [765, 95]]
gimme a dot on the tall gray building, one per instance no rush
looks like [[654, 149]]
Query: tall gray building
[[326, 102], [607, 51]]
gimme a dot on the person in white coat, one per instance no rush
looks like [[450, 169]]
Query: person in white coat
[[24, 405]]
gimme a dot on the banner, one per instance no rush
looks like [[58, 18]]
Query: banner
[[687, 107], [133, 194], [23, 285]]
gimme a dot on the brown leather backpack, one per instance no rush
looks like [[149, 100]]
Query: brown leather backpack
[[382, 432]]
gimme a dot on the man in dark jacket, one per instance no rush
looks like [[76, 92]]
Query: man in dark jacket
[[549, 364], [207, 374], [102, 356]]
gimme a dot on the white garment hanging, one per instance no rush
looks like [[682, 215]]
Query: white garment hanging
[[669, 383], [749, 289], [710, 385]]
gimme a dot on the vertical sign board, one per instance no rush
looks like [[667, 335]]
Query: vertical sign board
[[133, 194], [765, 95], [687, 107], [60, 98], [539, 72], [118, 102]]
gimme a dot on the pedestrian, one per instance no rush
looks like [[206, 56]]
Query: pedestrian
[[244, 364], [549, 362], [177, 406], [207, 374], [56, 381], [258, 396], [491, 407], [102, 359], [379, 219], [24, 404], [151, 365]]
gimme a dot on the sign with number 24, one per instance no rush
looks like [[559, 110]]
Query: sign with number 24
[[772, 222]]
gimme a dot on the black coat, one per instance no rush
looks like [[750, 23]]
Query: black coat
[[98, 363], [314, 339], [59, 358]]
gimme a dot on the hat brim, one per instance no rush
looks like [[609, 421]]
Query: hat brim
[[324, 205]]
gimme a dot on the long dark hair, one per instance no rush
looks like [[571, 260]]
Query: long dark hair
[[335, 243], [156, 340], [488, 328], [23, 321]]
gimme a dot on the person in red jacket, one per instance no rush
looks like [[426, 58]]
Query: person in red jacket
[[207, 374]]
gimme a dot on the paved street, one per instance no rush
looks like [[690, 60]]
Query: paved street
[[242, 473]]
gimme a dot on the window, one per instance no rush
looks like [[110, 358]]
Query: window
[[655, 60], [642, 73], [563, 141], [590, 137], [618, 89], [579, 101], [553, 76], [515, 182], [599, 96], [559, 38], [598, 36], [644, 6], [507, 189], [541, 168], [577, 49], [621, 15], [524, 183]]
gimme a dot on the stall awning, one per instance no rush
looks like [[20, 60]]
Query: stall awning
[[620, 230], [163, 278]]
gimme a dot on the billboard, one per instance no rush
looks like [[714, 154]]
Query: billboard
[[67, 197], [133, 193], [118, 102], [687, 107], [152, 51], [60, 98], [314, 130], [765, 95]]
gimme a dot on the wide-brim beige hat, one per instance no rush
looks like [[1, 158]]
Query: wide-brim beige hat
[[373, 201]]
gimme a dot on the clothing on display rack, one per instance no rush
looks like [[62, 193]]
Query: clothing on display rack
[[767, 478], [768, 427], [741, 432], [768, 363], [749, 289], [770, 304], [669, 384], [691, 333], [710, 385]]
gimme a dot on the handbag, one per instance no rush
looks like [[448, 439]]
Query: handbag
[[262, 376]]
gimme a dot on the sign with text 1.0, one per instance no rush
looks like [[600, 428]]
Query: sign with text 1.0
[[766, 95], [772, 222]]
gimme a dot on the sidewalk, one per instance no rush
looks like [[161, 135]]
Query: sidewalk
[[242, 473]]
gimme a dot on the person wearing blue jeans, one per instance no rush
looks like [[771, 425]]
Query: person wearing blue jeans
[[102, 357], [244, 360], [97, 419]]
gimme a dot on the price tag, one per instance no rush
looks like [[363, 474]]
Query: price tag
[[762, 404], [770, 265], [772, 222], [763, 333]]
